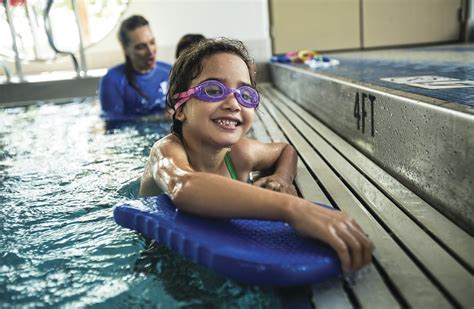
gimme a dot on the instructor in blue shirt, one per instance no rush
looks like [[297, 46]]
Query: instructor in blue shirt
[[137, 87]]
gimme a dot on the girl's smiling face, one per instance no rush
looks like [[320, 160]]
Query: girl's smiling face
[[221, 123]]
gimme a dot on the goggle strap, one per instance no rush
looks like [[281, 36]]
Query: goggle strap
[[180, 102], [183, 96]]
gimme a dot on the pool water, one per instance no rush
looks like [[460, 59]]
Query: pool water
[[61, 172]]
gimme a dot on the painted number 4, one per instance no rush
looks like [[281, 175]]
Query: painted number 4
[[361, 109]]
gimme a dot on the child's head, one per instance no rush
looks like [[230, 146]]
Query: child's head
[[189, 66], [187, 41]]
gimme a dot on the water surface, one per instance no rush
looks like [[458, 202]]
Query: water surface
[[61, 171]]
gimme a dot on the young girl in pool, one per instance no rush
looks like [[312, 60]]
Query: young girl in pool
[[212, 92]]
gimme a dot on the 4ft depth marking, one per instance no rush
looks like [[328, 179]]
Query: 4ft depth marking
[[360, 111]]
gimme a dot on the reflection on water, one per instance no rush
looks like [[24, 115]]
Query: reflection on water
[[61, 172]]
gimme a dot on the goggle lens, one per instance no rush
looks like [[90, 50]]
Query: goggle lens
[[249, 95], [213, 90]]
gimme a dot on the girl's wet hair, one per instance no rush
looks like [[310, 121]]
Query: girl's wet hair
[[131, 23], [189, 66]]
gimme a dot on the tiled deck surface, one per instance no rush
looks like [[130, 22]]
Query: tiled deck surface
[[453, 61]]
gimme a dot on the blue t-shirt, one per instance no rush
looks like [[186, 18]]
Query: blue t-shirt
[[119, 100]]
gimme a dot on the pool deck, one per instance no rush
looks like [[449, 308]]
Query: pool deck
[[377, 68]]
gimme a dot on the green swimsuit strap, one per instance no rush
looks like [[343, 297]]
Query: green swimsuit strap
[[230, 166]]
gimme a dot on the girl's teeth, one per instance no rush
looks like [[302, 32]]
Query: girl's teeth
[[226, 122]]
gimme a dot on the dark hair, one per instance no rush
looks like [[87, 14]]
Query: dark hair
[[189, 65], [131, 23], [187, 41]]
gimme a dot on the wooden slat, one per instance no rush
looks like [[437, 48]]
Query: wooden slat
[[259, 131], [413, 285], [330, 294], [364, 290]]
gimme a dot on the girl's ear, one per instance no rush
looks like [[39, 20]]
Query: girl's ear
[[179, 114]]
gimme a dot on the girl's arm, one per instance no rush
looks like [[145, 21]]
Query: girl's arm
[[279, 158], [220, 197]]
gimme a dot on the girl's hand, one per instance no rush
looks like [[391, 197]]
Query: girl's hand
[[276, 183], [337, 229]]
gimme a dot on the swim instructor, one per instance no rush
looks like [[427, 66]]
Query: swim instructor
[[137, 87]]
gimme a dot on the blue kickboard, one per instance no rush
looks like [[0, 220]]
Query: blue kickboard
[[249, 251]]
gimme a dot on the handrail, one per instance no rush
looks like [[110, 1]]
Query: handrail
[[49, 33], [19, 70], [81, 41], [7, 71]]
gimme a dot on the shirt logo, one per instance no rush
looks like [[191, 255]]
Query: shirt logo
[[164, 87]]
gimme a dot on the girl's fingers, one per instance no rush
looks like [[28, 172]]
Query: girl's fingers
[[341, 232], [360, 246], [276, 185], [367, 246], [259, 182], [355, 248], [273, 185], [342, 252], [267, 183]]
